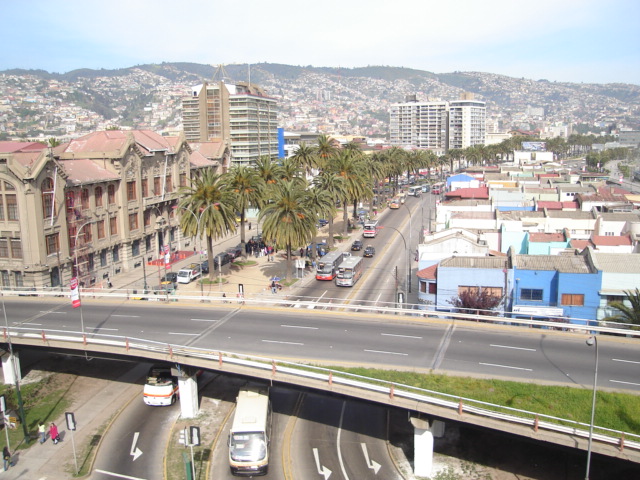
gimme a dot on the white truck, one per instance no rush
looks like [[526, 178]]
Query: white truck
[[161, 387]]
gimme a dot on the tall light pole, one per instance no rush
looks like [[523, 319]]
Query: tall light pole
[[407, 255], [198, 218], [75, 248], [591, 341]]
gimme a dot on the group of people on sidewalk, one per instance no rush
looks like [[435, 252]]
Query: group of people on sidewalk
[[42, 432]]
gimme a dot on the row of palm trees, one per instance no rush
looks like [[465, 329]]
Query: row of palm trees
[[293, 194]]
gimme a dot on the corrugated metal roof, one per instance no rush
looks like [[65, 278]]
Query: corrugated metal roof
[[475, 262], [617, 262], [87, 171], [560, 263]]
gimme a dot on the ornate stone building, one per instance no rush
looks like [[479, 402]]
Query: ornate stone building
[[99, 205]]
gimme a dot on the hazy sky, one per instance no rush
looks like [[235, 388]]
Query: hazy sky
[[591, 41]]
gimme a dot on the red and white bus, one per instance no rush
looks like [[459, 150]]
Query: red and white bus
[[370, 229], [437, 188], [327, 267]]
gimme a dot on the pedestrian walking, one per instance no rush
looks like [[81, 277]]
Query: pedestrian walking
[[6, 457], [42, 432], [53, 433], [274, 286]]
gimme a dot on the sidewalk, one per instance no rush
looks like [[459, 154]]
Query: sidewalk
[[255, 279]]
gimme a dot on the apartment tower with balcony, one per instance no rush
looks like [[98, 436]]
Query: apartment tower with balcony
[[239, 114]]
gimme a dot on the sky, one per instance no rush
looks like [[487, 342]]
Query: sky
[[582, 41]]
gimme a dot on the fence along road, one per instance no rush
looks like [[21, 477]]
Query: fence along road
[[547, 428]]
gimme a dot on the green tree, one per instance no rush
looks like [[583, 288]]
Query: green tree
[[629, 308], [247, 187], [350, 167], [306, 158], [335, 187], [326, 149], [286, 220], [214, 207]]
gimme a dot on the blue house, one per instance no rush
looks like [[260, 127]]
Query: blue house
[[457, 274], [556, 286]]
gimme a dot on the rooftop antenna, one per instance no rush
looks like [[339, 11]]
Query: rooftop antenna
[[220, 75]]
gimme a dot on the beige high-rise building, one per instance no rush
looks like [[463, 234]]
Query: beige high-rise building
[[239, 114]]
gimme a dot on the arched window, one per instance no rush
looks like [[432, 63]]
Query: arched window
[[98, 196], [48, 198]]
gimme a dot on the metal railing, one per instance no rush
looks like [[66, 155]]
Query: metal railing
[[414, 398], [337, 304]]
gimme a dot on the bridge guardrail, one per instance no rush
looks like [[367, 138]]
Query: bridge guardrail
[[334, 304], [536, 421]]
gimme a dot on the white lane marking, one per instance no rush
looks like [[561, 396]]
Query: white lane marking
[[624, 361], [344, 472], [372, 464], [505, 366], [182, 333], [401, 336], [108, 329], [36, 324], [135, 451], [125, 316], [117, 475], [51, 311], [322, 470], [202, 320], [387, 353], [285, 343], [513, 348], [625, 383], [299, 326]]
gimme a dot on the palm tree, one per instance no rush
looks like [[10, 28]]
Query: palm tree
[[628, 314], [326, 149], [286, 221], [247, 187], [290, 170], [268, 170], [306, 158], [319, 202], [335, 187], [213, 208], [357, 185]]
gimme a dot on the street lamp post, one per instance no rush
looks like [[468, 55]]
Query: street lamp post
[[198, 218], [75, 247], [407, 255], [591, 341]]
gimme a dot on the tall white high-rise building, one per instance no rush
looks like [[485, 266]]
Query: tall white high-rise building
[[438, 125], [239, 114]]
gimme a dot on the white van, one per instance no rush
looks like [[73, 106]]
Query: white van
[[186, 275]]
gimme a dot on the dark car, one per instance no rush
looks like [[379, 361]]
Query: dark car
[[369, 251], [356, 246], [235, 252], [323, 222], [170, 280], [204, 267], [222, 259]]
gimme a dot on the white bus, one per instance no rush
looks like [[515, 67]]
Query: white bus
[[370, 229], [414, 191], [350, 272], [327, 266], [250, 433]]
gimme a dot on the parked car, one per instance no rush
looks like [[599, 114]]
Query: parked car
[[323, 222], [170, 278], [235, 252], [356, 246], [369, 251], [190, 273], [222, 259], [204, 266]]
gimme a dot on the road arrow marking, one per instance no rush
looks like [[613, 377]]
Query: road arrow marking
[[322, 470], [135, 451], [375, 466]]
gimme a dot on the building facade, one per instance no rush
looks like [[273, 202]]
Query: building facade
[[102, 204], [239, 114], [438, 125]]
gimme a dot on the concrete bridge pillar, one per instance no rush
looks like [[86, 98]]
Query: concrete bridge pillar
[[188, 387], [423, 433], [11, 368]]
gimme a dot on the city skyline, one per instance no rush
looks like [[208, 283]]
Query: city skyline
[[582, 41]]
